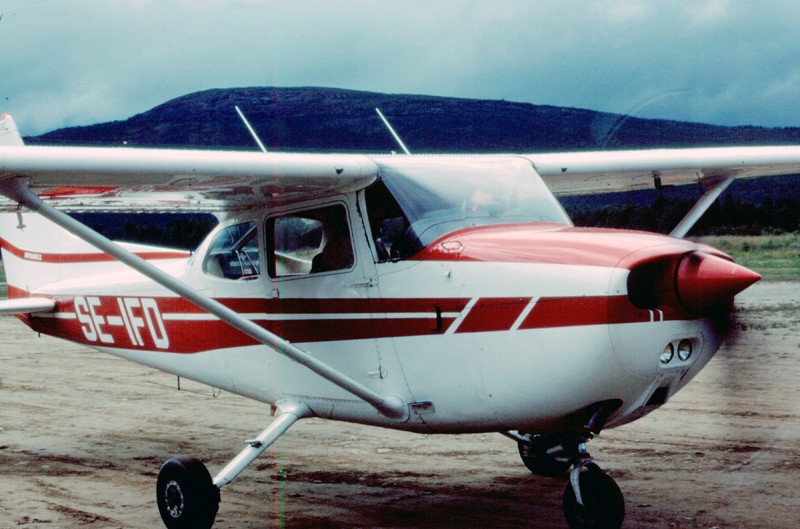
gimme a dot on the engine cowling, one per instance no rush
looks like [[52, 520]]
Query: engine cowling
[[697, 282]]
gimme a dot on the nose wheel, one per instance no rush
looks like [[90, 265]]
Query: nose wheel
[[601, 503], [592, 499]]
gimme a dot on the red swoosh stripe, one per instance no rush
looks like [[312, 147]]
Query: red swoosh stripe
[[64, 258], [322, 320]]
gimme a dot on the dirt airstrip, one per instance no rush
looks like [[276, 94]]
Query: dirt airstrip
[[82, 436]]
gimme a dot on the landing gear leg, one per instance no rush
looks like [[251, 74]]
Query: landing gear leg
[[592, 500], [188, 498]]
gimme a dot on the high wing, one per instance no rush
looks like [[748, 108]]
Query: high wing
[[151, 179], [580, 173], [126, 179]]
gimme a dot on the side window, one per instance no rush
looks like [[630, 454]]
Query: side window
[[234, 253], [309, 242]]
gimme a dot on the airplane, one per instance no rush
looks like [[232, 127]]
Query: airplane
[[432, 294]]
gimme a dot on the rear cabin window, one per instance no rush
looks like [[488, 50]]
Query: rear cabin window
[[234, 253], [310, 242]]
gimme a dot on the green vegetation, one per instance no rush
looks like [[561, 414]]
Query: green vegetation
[[732, 215], [775, 257]]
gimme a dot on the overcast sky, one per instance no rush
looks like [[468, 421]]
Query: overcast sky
[[731, 62]]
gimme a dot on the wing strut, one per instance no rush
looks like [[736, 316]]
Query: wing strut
[[700, 207], [390, 406], [289, 413]]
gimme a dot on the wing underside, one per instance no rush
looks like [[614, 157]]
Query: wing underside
[[616, 171]]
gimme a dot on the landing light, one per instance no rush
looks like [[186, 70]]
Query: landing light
[[669, 352], [684, 350]]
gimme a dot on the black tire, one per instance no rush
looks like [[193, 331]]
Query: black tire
[[603, 504], [542, 464], [186, 496]]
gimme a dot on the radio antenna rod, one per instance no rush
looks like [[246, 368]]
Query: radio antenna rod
[[250, 128], [396, 137]]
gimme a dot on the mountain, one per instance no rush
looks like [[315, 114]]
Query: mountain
[[328, 119]]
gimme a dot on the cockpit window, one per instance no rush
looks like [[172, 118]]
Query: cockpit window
[[310, 242], [234, 253], [387, 222], [439, 198]]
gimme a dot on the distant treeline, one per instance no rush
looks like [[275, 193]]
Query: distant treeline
[[730, 216]]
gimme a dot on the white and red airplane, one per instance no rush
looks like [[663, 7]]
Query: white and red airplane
[[435, 294]]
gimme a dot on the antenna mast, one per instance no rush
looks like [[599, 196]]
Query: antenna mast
[[250, 128], [396, 137]]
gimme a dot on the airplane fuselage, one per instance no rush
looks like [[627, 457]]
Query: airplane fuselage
[[525, 326]]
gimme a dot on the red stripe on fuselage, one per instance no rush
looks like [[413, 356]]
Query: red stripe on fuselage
[[71, 258], [175, 325], [493, 314]]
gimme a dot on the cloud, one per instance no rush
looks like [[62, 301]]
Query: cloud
[[78, 62]]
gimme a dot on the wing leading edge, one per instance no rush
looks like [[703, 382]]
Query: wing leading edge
[[580, 173], [125, 179]]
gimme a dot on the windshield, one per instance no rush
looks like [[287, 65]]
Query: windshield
[[438, 198]]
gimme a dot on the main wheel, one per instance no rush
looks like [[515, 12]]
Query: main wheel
[[603, 505], [186, 496], [542, 464]]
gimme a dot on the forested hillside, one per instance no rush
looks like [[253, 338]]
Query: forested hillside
[[326, 119]]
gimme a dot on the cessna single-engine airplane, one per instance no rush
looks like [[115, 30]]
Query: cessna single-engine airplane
[[435, 294]]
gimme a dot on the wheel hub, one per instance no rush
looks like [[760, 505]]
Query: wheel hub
[[174, 499]]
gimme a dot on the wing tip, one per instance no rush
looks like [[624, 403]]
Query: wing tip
[[9, 134]]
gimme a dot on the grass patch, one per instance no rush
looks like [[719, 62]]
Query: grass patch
[[775, 257]]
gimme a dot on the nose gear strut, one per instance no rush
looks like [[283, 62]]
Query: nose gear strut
[[592, 500]]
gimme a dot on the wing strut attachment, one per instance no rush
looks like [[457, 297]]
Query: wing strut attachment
[[390, 406], [700, 207]]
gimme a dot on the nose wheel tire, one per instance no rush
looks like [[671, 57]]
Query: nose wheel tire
[[603, 505], [186, 496]]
